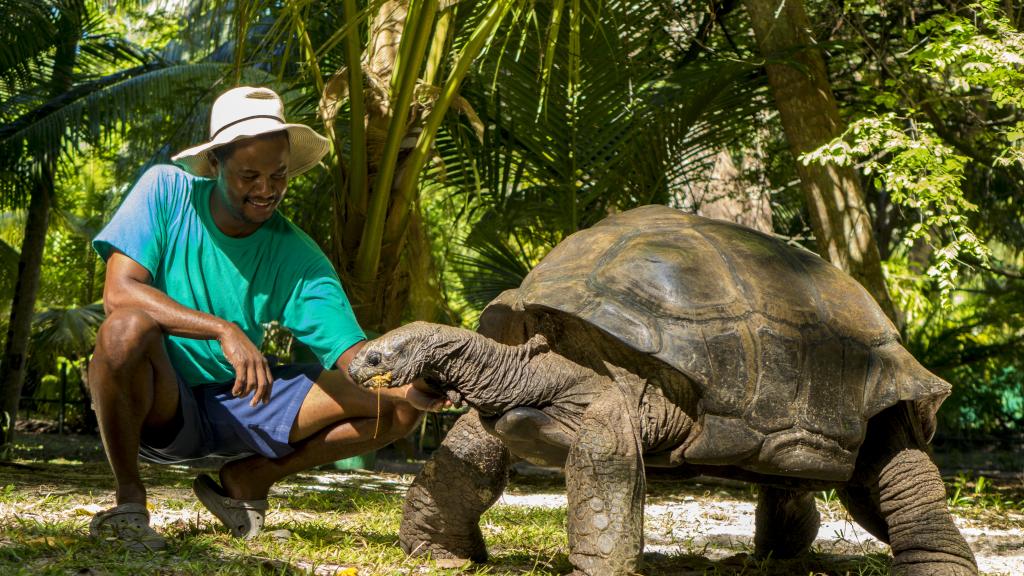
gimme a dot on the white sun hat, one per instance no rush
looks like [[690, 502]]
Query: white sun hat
[[244, 112]]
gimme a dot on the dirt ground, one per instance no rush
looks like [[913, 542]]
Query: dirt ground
[[711, 520]]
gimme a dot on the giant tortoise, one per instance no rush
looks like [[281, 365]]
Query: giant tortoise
[[659, 338]]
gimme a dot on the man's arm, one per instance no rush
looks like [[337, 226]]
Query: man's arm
[[415, 394], [129, 285]]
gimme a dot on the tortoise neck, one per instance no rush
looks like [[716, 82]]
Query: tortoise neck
[[494, 377]]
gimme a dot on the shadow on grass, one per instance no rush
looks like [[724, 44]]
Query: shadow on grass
[[656, 564], [319, 535], [85, 478], [63, 548], [747, 565], [342, 493], [66, 475]]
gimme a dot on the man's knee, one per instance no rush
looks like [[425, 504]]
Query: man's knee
[[124, 337]]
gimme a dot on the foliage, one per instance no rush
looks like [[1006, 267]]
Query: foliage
[[618, 125], [981, 50], [920, 172], [974, 342], [69, 332], [934, 93], [562, 113], [990, 398]]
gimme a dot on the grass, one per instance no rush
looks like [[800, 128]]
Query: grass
[[346, 524]]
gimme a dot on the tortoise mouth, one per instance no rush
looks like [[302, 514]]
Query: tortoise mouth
[[373, 377]]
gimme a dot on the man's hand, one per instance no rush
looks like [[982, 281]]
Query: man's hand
[[420, 398], [252, 373]]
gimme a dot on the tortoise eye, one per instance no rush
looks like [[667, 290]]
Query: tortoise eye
[[373, 358]]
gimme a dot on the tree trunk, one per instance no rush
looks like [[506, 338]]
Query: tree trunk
[[401, 120], [12, 369], [725, 196], [810, 118], [380, 301], [426, 300]]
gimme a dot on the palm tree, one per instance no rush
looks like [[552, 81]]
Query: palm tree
[[409, 60], [393, 122], [618, 125]]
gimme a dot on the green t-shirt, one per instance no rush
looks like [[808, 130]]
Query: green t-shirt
[[276, 273]]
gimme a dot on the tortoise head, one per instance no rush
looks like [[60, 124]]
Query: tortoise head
[[396, 358]]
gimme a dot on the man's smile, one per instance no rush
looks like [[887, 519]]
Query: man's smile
[[262, 203]]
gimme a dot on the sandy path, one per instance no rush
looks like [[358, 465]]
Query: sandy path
[[718, 527]]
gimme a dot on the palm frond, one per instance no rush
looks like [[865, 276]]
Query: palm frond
[[91, 111], [492, 266], [635, 128], [25, 39], [68, 332], [619, 125]]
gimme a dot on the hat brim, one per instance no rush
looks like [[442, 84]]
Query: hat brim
[[306, 147]]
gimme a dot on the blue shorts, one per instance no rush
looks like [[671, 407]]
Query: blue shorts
[[217, 424]]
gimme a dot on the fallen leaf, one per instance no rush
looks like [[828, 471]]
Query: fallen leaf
[[49, 541], [452, 562], [87, 510], [282, 534]]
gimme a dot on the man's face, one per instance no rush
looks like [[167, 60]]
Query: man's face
[[251, 180]]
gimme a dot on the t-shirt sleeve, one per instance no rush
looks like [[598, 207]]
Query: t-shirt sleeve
[[320, 315], [138, 228]]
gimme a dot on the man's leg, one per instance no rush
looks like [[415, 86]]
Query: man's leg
[[133, 388], [337, 419]]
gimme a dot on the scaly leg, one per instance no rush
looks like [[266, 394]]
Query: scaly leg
[[463, 478], [605, 482], [786, 522], [912, 500]]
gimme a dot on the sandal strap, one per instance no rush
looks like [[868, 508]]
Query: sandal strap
[[127, 508], [253, 505]]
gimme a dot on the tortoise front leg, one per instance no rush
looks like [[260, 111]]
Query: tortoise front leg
[[912, 500], [463, 478], [604, 476]]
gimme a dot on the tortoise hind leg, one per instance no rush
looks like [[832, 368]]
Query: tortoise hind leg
[[786, 522], [463, 478], [863, 508], [912, 500]]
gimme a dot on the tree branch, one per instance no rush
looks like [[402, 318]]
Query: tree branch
[[698, 44]]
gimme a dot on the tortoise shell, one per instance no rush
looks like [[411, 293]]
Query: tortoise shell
[[791, 356]]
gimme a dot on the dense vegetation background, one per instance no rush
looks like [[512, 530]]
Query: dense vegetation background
[[886, 136]]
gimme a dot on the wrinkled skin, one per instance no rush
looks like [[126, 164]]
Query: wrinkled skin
[[605, 423]]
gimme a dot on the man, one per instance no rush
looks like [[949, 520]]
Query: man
[[198, 260]]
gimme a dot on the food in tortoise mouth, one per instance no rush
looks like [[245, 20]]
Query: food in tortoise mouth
[[380, 380]]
